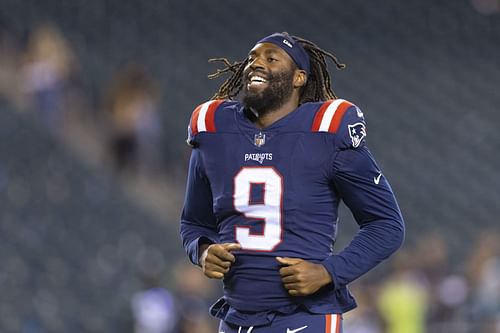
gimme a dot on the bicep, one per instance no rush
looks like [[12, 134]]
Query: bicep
[[363, 187], [198, 202]]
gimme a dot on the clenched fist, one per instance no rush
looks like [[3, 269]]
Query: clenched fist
[[301, 277], [216, 259]]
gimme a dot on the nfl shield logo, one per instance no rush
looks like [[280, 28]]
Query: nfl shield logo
[[259, 139]]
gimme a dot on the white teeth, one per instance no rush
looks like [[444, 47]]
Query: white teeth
[[256, 78]]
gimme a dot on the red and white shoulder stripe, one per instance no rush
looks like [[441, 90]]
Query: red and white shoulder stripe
[[203, 118], [329, 116]]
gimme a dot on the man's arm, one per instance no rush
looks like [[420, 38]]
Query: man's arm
[[367, 193], [359, 182], [369, 196], [199, 225]]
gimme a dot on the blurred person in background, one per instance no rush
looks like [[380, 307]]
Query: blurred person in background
[[48, 69], [9, 65], [134, 121], [153, 307], [403, 301], [483, 272], [365, 319], [447, 290], [193, 295], [266, 177]]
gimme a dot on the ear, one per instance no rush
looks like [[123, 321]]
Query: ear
[[300, 78]]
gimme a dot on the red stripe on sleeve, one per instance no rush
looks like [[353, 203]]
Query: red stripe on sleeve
[[319, 116], [337, 117], [194, 120], [328, 324], [210, 116]]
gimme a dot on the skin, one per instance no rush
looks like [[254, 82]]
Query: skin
[[299, 277], [267, 58], [216, 259]]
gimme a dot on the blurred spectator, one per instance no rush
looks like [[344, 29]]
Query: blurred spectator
[[134, 121], [486, 7], [9, 63], [48, 67], [153, 308], [447, 291], [364, 319], [193, 298], [483, 270], [403, 300], [431, 257]]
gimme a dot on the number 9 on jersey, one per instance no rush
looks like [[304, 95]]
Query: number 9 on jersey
[[268, 210]]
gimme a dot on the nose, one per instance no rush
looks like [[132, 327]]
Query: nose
[[256, 63]]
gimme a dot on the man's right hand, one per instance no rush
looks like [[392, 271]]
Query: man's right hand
[[216, 259]]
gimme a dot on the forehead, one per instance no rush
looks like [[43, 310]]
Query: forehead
[[268, 49]]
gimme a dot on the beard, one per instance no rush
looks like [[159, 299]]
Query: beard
[[279, 89]]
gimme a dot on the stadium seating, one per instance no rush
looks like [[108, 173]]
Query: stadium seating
[[425, 73]]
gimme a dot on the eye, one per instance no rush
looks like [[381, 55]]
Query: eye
[[250, 58], [271, 59]]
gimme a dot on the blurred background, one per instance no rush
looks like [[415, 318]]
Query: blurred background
[[95, 97]]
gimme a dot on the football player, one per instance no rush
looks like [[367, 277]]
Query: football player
[[274, 153]]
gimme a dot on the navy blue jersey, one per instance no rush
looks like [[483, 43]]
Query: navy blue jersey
[[276, 191]]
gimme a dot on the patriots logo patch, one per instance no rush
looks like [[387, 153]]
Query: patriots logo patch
[[357, 132]]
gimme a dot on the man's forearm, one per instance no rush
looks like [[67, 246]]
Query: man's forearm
[[372, 244]]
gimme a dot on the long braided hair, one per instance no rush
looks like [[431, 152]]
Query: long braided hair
[[317, 88]]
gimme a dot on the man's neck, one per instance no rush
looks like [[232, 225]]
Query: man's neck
[[272, 116]]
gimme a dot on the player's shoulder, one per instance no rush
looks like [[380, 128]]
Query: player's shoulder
[[210, 117], [341, 118], [203, 118]]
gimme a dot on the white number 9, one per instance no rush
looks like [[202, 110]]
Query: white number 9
[[269, 210]]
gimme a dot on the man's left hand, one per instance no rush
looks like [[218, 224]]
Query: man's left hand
[[301, 277]]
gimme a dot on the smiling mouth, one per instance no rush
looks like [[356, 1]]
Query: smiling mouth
[[255, 80]]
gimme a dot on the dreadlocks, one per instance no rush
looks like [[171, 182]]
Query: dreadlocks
[[317, 88]]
